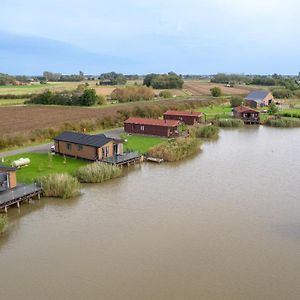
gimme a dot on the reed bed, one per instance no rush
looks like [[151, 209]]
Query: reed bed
[[59, 185], [3, 223], [230, 123], [97, 172], [283, 122], [177, 149], [207, 131]]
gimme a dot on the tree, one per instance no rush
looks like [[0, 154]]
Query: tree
[[88, 98], [273, 109], [236, 101], [164, 81], [216, 91]]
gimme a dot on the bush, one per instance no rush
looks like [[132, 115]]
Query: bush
[[59, 185], [132, 93], [282, 93], [236, 101], [165, 94], [175, 150], [216, 91], [272, 108], [229, 123], [97, 172], [208, 131], [101, 100], [3, 223], [164, 81], [282, 122]]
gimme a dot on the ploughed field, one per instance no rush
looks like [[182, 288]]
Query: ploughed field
[[23, 119], [203, 88]]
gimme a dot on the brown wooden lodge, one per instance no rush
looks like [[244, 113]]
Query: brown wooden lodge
[[11, 192], [157, 127], [247, 114], [186, 117], [97, 147]]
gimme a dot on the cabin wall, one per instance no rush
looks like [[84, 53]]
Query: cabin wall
[[81, 151], [12, 179], [149, 129], [188, 120]]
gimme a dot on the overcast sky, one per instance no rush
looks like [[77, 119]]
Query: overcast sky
[[138, 36]]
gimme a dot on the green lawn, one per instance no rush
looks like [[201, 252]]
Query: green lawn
[[44, 164], [141, 143], [213, 110]]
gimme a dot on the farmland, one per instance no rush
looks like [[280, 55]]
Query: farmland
[[196, 87]]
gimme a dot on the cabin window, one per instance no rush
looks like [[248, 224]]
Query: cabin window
[[142, 127], [105, 152], [80, 147], [69, 146]]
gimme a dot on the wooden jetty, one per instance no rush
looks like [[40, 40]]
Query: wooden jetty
[[19, 194]]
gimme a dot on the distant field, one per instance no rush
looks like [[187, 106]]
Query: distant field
[[202, 88], [8, 102], [22, 119]]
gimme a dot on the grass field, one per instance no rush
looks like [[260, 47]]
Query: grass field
[[212, 111], [11, 102], [44, 164], [140, 143]]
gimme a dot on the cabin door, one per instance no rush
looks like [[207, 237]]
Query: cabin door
[[116, 152]]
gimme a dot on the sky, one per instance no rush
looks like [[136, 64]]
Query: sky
[[142, 36]]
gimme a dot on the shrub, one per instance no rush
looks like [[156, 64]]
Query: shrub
[[272, 108], [236, 101], [59, 185], [97, 172], [165, 94], [164, 81], [216, 91], [3, 223], [282, 122], [101, 100], [132, 93], [229, 123], [176, 150], [282, 93], [207, 131]]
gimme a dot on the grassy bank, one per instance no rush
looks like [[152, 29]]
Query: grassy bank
[[283, 122], [216, 111], [230, 123], [207, 131], [141, 143], [175, 150], [97, 172], [44, 164], [59, 185]]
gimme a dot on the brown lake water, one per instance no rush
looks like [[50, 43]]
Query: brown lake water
[[224, 224]]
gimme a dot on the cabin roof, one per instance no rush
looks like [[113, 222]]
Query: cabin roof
[[7, 168], [97, 140], [183, 113], [245, 109], [153, 122], [257, 95]]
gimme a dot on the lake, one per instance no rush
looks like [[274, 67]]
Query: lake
[[224, 224]]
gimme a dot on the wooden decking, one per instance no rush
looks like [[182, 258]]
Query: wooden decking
[[124, 159], [19, 194]]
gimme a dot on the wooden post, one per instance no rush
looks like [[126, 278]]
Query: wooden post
[[18, 204], [5, 209]]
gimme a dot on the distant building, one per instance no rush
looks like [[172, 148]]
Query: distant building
[[186, 117], [247, 114], [8, 178], [259, 99], [164, 128], [90, 147]]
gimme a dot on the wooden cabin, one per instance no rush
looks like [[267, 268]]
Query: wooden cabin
[[164, 128], [90, 147], [8, 178], [186, 117], [257, 99], [247, 114]]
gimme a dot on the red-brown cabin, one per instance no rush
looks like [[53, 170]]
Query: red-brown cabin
[[247, 114], [186, 117], [165, 128]]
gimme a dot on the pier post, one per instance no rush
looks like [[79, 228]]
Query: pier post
[[5, 209], [18, 204]]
